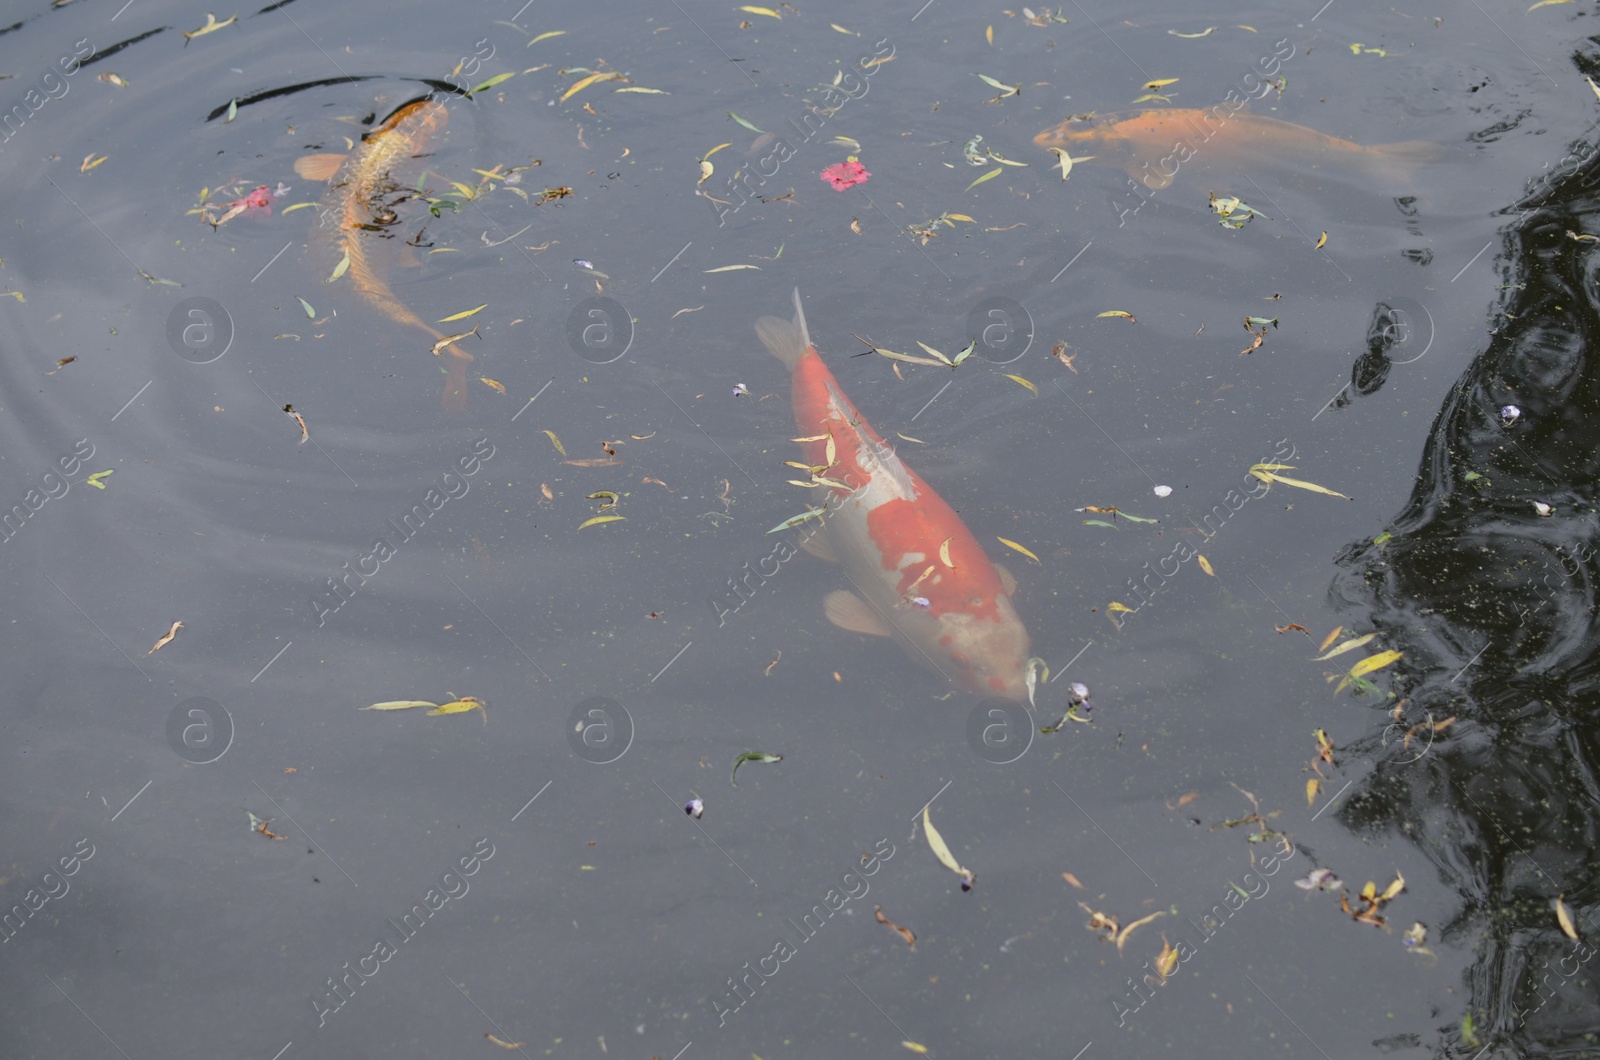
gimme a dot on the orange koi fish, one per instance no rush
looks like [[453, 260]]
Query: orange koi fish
[[1152, 145], [923, 579], [363, 193]]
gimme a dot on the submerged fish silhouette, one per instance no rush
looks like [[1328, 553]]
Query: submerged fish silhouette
[[924, 579], [1153, 145], [360, 183]]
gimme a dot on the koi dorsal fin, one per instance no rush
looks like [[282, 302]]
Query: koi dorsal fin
[[786, 339]]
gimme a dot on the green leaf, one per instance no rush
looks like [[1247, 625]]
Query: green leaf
[[995, 172]]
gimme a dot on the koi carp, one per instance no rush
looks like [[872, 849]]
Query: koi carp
[[363, 195], [920, 576]]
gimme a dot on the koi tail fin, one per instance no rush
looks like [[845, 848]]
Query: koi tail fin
[[786, 339], [1402, 160]]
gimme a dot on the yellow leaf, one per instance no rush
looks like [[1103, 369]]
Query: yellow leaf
[[1330, 638], [87, 164], [1546, 3], [1322, 242], [715, 149], [960, 217], [706, 169], [915, 1047], [604, 75], [1122, 936], [597, 520], [1374, 662], [339, 269], [841, 29], [1394, 888], [995, 172], [762, 11], [547, 36], [456, 706], [1151, 86], [734, 268], [1021, 382], [493, 384], [1193, 36], [400, 704], [1370, 891], [1115, 313], [464, 314], [1113, 607], [1205, 564], [1564, 918], [989, 35], [556, 442], [1019, 548], [642, 89], [942, 852], [1350, 645], [944, 553], [211, 26], [1312, 787]]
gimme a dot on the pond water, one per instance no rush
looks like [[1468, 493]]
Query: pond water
[[227, 407]]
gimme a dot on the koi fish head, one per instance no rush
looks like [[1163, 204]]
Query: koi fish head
[[1107, 141], [990, 654]]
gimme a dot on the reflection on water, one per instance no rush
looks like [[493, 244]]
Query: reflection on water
[[1494, 604]]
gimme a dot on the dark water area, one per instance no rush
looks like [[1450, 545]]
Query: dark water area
[[208, 848]]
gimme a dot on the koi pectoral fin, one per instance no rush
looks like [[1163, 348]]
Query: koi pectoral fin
[[848, 611], [1008, 581], [318, 167]]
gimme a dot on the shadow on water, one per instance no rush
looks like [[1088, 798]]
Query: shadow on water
[[1494, 606]]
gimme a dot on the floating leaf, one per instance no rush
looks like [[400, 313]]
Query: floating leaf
[[604, 75], [460, 706], [813, 513], [211, 26], [464, 314], [493, 384], [1067, 161], [942, 851], [400, 704], [734, 268], [1117, 313], [1374, 662], [339, 269], [556, 442], [166, 638], [1564, 918], [750, 756], [233, 111], [746, 124], [1547, 3], [1312, 787], [495, 80], [762, 11], [1193, 36], [1021, 382], [1349, 645], [597, 520], [944, 553], [642, 89], [1322, 241], [89, 162], [1019, 548], [841, 29], [995, 172], [546, 36], [310, 313], [1267, 473], [1205, 564], [95, 479], [1151, 86]]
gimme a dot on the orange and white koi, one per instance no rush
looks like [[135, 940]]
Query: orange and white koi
[[922, 578], [363, 191]]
